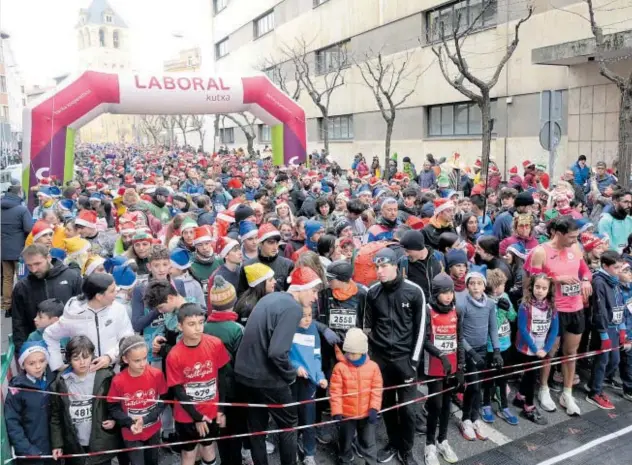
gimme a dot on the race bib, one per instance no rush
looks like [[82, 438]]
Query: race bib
[[540, 327], [505, 329], [342, 318], [571, 290], [201, 391], [80, 411], [445, 342], [617, 315]]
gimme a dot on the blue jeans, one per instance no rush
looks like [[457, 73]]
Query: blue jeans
[[605, 364], [304, 389]]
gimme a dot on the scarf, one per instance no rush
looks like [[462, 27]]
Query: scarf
[[438, 223], [439, 307], [359, 362], [203, 260], [459, 283], [542, 305], [217, 316], [477, 303], [346, 292]]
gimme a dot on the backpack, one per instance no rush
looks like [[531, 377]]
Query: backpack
[[362, 260]]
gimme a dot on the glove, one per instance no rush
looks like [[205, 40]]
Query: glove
[[447, 366], [338, 417], [622, 336], [331, 337], [503, 304], [497, 359], [606, 343], [372, 416], [459, 381], [477, 359]]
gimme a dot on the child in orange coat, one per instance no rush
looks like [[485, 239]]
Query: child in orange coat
[[356, 373]]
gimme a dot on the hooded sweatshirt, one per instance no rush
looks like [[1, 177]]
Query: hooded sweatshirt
[[618, 227], [478, 321], [608, 303]]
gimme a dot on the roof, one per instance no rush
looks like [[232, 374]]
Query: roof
[[95, 13]]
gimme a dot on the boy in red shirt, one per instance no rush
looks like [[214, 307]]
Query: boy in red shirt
[[193, 374]]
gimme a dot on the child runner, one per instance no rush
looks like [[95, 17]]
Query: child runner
[[505, 314], [27, 414], [444, 356], [139, 415], [193, 373], [49, 311], [354, 369], [537, 330], [478, 318], [80, 423], [456, 264], [625, 366]]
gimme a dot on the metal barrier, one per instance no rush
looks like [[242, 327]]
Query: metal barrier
[[8, 369]]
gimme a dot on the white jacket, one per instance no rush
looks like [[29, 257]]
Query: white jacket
[[104, 328]]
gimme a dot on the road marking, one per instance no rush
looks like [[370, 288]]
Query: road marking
[[494, 435], [588, 445]]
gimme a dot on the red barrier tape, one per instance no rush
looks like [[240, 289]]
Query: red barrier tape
[[555, 361]]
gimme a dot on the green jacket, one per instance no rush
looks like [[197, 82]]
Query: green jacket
[[62, 432], [203, 271], [230, 333], [162, 214]]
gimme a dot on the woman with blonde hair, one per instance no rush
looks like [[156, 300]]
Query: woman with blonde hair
[[284, 212]]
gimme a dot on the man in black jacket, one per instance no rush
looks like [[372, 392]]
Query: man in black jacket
[[48, 278], [396, 317]]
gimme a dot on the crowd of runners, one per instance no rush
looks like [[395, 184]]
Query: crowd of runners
[[159, 289]]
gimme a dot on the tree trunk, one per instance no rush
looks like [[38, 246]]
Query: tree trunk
[[216, 130], [202, 134], [251, 144], [184, 137], [625, 136], [487, 128], [387, 148], [325, 128]]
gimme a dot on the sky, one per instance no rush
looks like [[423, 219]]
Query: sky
[[44, 41]]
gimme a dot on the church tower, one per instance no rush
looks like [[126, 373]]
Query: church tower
[[103, 45]]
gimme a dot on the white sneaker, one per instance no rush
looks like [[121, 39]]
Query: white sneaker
[[467, 430], [479, 429], [430, 455], [568, 402], [546, 402], [246, 457], [270, 448], [309, 460], [446, 452]]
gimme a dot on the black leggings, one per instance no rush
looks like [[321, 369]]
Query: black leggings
[[529, 378], [500, 383], [438, 411]]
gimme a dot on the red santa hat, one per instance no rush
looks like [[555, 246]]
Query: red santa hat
[[234, 183], [40, 228], [303, 279], [478, 163], [442, 205], [87, 218], [266, 231], [227, 215], [513, 170], [202, 234], [224, 245], [526, 164]]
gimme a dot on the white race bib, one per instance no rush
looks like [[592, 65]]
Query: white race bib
[[617, 315], [445, 342], [342, 318], [571, 290], [540, 327], [80, 411], [505, 329], [201, 391]]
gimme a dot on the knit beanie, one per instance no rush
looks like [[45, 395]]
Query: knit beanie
[[222, 295], [413, 240], [31, 347], [257, 273], [442, 283], [242, 212], [356, 342], [341, 225], [523, 199], [455, 257]]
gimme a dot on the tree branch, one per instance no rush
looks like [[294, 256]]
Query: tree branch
[[601, 46]]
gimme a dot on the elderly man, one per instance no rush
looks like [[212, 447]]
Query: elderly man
[[386, 223]]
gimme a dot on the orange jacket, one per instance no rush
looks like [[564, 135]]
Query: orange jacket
[[365, 380]]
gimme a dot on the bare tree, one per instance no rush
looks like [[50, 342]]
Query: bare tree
[[383, 76], [184, 124], [277, 75], [320, 82], [151, 126], [247, 125], [216, 128], [453, 53], [624, 84], [197, 125], [168, 123]]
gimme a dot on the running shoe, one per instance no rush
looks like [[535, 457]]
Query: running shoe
[[613, 384], [467, 430], [546, 402], [535, 416], [406, 458], [487, 414], [386, 454], [430, 455], [270, 448], [479, 429], [568, 402], [627, 396], [309, 460], [600, 400], [507, 415], [446, 452], [576, 380], [246, 457]]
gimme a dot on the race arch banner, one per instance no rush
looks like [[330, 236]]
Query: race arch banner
[[51, 122]]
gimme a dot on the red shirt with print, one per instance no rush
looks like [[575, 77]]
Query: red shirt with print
[[196, 369], [140, 394]]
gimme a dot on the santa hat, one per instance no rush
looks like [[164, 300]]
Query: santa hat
[[257, 273], [142, 236], [234, 183], [180, 259], [513, 170], [188, 223], [91, 264], [590, 241], [526, 164], [227, 216], [32, 347], [87, 218], [267, 231], [302, 279], [40, 228], [202, 234], [442, 205], [76, 246], [113, 262], [91, 186], [45, 192], [124, 277], [224, 245], [127, 224], [44, 182], [478, 163], [247, 229]]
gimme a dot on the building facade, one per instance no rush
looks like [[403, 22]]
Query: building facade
[[551, 83], [12, 99]]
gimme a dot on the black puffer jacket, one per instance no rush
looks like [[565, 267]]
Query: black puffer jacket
[[396, 316], [281, 266], [16, 225]]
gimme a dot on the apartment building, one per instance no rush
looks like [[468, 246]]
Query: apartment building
[[551, 78]]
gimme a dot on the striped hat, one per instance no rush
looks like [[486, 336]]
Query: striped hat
[[40, 228], [258, 273], [142, 236], [222, 295]]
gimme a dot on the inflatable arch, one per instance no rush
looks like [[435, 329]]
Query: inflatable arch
[[50, 123]]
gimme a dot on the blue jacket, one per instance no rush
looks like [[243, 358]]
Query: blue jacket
[[27, 416], [305, 352], [607, 180], [607, 300], [503, 225], [190, 187], [626, 290], [427, 179], [16, 225], [581, 174]]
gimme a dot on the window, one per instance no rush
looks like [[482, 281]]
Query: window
[[4, 113], [340, 127], [456, 119], [274, 74], [108, 18], [3, 84], [115, 39], [464, 13], [227, 135], [264, 24], [219, 5], [331, 58], [319, 2], [221, 48], [265, 133], [101, 37]]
